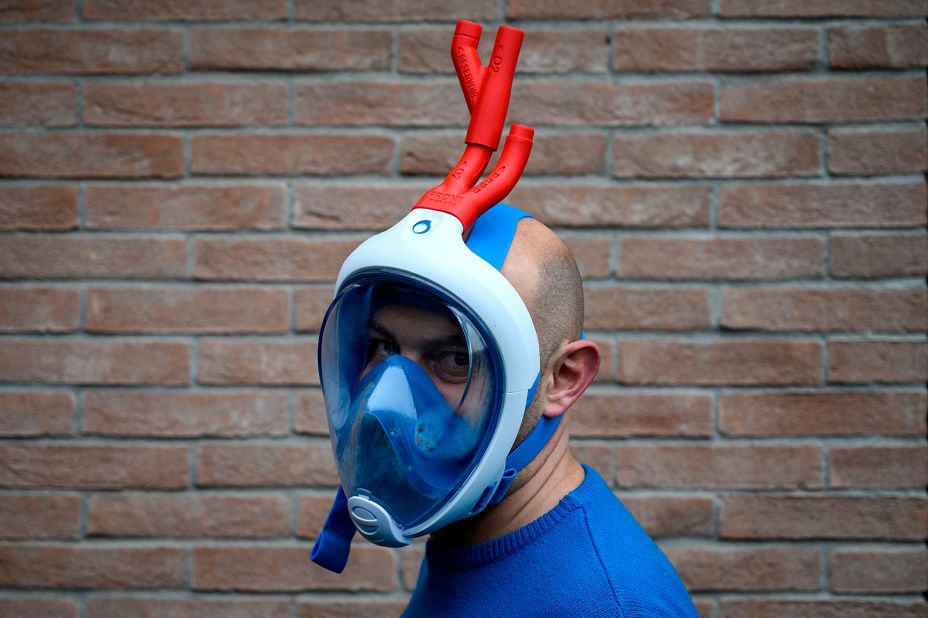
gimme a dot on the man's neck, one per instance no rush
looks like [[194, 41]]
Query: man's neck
[[539, 488]]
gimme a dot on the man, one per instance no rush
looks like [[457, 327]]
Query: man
[[448, 359], [560, 543]]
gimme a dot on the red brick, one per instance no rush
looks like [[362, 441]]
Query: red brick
[[822, 8], [877, 361], [119, 607], [188, 515], [823, 517], [879, 466], [310, 413], [39, 516], [756, 466], [266, 465], [571, 103], [324, 205], [879, 570], [188, 309], [715, 49], [825, 309], [835, 99], [99, 155], [67, 566], [896, 46], [731, 154], [720, 568], [417, 103], [722, 257], [91, 466], [592, 254], [598, 455], [39, 309], [605, 9], [294, 258], [732, 362], [845, 204], [311, 513], [286, 569], [393, 10], [22, 11], [193, 104], [45, 607], [94, 361], [821, 607], [425, 50], [829, 413], [615, 205], [185, 207], [38, 104], [324, 608], [282, 49], [185, 414], [211, 10], [879, 255], [559, 154], [98, 50], [38, 208], [311, 304], [641, 414], [36, 413], [705, 608], [292, 154], [607, 349], [622, 308], [667, 516], [868, 152], [327, 206], [412, 559], [273, 362], [54, 256]]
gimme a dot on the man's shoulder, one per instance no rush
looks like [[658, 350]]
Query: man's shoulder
[[640, 576]]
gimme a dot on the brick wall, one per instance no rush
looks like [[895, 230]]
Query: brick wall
[[742, 183]]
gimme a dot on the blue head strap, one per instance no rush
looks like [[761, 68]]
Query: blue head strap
[[490, 239]]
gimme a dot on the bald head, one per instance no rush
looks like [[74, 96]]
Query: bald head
[[542, 270]]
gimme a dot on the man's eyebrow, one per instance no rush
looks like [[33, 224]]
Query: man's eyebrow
[[455, 339], [380, 328]]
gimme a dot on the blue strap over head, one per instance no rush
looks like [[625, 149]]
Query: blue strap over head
[[490, 239]]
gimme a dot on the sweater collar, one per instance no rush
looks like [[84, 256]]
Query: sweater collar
[[475, 556]]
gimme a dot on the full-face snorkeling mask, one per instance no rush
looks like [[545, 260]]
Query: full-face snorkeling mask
[[428, 357]]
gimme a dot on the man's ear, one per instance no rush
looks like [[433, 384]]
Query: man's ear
[[573, 368]]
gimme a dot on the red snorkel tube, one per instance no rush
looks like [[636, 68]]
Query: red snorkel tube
[[486, 91]]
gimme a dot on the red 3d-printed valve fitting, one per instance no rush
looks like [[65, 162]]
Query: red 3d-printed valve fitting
[[486, 90]]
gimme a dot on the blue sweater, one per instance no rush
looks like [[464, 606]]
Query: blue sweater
[[586, 557]]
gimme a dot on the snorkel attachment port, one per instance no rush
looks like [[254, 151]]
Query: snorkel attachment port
[[487, 90]]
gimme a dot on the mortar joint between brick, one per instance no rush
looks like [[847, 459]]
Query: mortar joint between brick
[[395, 50], [79, 412], [291, 103], [188, 567], [79, 93], [291, 10], [192, 468], [714, 207], [186, 143]]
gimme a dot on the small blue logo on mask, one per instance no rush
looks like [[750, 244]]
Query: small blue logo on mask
[[421, 227]]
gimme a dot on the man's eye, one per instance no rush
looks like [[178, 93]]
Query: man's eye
[[382, 347], [452, 366]]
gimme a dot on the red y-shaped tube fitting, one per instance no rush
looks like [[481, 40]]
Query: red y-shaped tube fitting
[[487, 91]]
